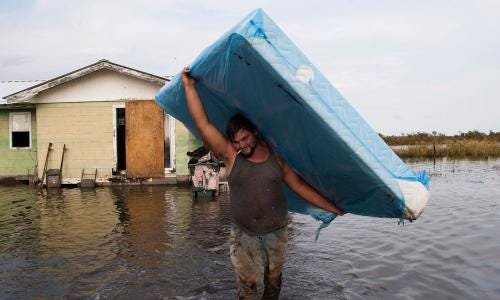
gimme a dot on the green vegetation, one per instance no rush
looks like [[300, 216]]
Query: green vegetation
[[420, 138], [472, 144]]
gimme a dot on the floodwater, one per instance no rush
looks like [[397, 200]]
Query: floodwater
[[157, 243]]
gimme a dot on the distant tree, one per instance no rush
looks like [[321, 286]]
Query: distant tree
[[473, 135], [419, 137]]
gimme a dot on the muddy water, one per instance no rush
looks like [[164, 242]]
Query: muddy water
[[156, 242]]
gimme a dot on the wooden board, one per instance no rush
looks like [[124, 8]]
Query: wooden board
[[144, 139]]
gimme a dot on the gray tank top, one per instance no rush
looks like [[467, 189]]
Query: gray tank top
[[257, 202]]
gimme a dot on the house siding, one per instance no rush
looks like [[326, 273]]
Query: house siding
[[86, 129], [102, 85], [184, 142], [16, 162]]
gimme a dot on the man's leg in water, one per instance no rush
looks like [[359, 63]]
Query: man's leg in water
[[247, 258], [275, 244]]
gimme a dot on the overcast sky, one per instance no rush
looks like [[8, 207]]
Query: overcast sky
[[406, 66]]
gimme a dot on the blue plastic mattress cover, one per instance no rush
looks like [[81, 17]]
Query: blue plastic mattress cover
[[256, 70]]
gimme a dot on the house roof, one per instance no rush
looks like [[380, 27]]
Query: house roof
[[11, 86], [8, 87], [27, 93]]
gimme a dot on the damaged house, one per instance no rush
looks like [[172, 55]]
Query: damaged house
[[104, 117]]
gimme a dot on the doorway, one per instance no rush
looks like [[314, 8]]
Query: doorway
[[121, 162]]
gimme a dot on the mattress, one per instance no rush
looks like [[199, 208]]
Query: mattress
[[256, 70]]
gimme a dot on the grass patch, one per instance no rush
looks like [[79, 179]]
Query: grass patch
[[479, 149]]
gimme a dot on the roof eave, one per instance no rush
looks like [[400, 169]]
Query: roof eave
[[16, 105]]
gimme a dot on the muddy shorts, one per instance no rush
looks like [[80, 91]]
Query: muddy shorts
[[258, 261]]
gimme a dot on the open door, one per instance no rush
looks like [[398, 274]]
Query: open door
[[120, 139], [144, 139]]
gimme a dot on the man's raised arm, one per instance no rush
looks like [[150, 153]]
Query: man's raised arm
[[211, 136]]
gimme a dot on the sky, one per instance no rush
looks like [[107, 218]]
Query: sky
[[405, 66]]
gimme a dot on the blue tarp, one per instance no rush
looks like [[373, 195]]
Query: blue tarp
[[256, 70]]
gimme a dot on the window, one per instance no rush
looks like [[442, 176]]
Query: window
[[20, 129]]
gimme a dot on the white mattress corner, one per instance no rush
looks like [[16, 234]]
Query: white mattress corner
[[416, 196]]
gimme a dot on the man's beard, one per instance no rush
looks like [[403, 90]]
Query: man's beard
[[250, 153]]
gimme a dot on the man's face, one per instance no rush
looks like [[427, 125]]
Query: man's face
[[246, 141]]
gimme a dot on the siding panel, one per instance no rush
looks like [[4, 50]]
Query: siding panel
[[87, 131], [16, 162]]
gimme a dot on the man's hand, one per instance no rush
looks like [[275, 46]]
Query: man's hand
[[333, 209], [338, 212], [187, 80]]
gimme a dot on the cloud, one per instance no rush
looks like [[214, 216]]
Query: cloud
[[401, 64]]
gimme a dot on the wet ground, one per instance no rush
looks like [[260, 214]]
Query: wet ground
[[157, 243]]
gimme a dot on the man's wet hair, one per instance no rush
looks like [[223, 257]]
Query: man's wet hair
[[236, 123]]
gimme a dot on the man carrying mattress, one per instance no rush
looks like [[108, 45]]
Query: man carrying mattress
[[258, 206]]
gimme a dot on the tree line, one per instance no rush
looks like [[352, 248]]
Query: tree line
[[434, 137]]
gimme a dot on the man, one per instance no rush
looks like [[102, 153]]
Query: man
[[258, 207]]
